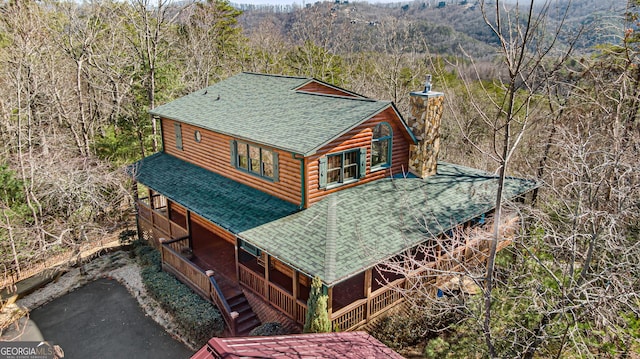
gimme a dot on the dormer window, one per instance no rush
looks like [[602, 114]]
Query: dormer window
[[381, 146]]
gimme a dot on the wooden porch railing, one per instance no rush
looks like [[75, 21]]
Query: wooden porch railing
[[282, 300], [251, 280], [177, 244], [157, 224], [350, 316], [215, 294], [201, 282], [385, 297], [363, 310], [301, 311], [274, 294]]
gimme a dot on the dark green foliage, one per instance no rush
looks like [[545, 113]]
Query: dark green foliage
[[317, 320], [148, 257], [121, 144], [271, 328], [198, 319], [12, 193]]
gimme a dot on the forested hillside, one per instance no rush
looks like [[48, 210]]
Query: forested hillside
[[550, 93]]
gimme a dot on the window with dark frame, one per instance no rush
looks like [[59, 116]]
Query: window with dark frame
[[344, 167], [178, 130], [255, 160], [381, 146]]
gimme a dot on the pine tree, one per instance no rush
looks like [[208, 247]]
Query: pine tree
[[317, 320]]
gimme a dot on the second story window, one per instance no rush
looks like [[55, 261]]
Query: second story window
[[343, 167], [381, 146], [178, 129], [255, 160]]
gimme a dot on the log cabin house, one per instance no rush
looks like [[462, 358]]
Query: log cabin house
[[265, 182]]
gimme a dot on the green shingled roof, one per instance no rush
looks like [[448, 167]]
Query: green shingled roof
[[227, 203], [266, 109], [378, 220]]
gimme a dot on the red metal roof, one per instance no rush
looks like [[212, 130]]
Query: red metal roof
[[355, 345]]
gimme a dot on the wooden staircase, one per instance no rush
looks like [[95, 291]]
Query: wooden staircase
[[247, 318]]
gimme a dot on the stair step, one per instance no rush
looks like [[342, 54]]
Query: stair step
[[245, 327], [236, 300], [247, 316], [231, 292], [244, 308]]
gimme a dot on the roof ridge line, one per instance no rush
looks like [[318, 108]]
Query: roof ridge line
[[338, 96], [276, 75]]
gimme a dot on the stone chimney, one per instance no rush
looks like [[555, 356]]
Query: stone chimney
[[424, 121]]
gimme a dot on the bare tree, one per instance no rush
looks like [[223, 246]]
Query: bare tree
[[151, 39], [529, 60]]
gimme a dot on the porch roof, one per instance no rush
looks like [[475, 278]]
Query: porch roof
[[227, 203], [356, 228], [355, 345]]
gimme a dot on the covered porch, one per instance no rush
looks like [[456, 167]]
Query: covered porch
[[272, 249], [351, 303]]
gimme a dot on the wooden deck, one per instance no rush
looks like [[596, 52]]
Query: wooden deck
[[215, 254]]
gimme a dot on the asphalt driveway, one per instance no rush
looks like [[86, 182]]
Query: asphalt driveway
[[102, 320]]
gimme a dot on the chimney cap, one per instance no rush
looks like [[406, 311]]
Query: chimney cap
[[427, 84], [427, 89]]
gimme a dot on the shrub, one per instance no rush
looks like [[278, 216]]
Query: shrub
[[436, 348], [197, 318], [148, 256], [317, 319], [271, 328]]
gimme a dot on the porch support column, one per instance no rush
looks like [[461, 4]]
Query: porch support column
[[266, 277], [169, 217], [153, 225], [237, 259], [330, 303], [134, 190], [294, 293], [151, 199], [367, 291], [187, 217]]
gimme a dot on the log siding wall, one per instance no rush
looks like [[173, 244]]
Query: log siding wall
[[213, 152], [213, 228], [360, 136], [316, 87]]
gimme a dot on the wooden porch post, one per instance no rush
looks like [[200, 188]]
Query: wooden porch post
[[151, 206], [367, 291], [330, 302], [235, 247], [266, 277], [294, 293], [169, 217], [188, 224], [134, 189]]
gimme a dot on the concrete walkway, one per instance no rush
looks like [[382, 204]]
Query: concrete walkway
[[102, 320]]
